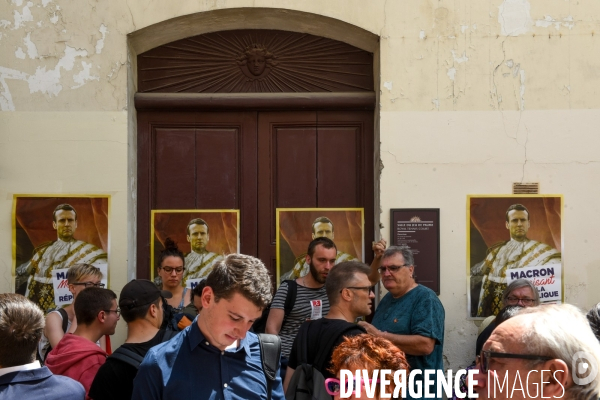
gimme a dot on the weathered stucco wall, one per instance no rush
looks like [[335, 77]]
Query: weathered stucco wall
[[474, 95]]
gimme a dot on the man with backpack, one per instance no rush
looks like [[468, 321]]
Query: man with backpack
[[141, 304], [350, 296], [310, 300], [216, 356]]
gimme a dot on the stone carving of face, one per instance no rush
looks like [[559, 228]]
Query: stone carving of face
[[256, 63]]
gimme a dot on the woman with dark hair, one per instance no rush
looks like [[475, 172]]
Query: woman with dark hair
[[365, 352], [171, 265]]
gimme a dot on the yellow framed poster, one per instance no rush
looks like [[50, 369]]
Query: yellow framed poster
[[297, 227], [204, 236], [512, 237], [53, 232]]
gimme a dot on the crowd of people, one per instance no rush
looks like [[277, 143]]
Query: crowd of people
[[201, 342]]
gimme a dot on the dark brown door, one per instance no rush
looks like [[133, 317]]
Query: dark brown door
[[312, 160], [255, 162], [196, 161]]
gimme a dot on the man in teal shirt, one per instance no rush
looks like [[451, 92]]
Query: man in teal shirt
[[410, 316]]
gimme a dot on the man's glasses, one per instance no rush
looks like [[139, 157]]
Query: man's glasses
[[168, 270], [513, 301], [367, 288], [391, 268], [89, 284], [333, 386], [486, 355], [117, 311]]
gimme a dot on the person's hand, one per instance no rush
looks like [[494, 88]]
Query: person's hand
[[379, 248], [370, 328]]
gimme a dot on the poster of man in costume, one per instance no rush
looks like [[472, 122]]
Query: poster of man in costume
[[512, 237], [204, 237], [297, 227], [54, 233]]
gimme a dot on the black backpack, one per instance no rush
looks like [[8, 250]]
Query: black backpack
[[307, 382], [261, 323], [134, 359]]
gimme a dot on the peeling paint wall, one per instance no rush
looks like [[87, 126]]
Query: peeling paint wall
[[474, 95], [53, 49]]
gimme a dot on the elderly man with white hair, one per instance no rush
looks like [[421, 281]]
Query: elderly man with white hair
[[546, 351]]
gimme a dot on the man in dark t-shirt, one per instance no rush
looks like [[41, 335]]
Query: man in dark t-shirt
[[141, 304], [350, 296]]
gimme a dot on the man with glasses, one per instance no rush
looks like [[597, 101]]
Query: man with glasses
[[542, 352], [141, 304], [519, 293], [410, 316], [199, 262], [518, 252], [61, 253], [350, 296], [77, 355]]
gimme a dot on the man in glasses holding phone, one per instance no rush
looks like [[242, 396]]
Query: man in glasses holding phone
[[542, 352], [410, 316]]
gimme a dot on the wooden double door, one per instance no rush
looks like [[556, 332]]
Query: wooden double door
[[255, 162]]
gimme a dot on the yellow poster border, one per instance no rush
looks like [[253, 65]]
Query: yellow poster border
[[277, 233], [507, 196], [57, 196], [153, 212]]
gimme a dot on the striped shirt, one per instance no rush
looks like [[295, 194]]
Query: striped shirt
[[300, 313]]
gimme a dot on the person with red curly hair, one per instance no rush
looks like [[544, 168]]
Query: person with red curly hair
[[365, 352]]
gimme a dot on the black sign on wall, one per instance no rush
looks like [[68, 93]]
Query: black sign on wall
[[419, 230]]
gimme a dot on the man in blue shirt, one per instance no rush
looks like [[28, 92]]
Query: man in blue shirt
[[215, 357], [411, 316], [21, 376]]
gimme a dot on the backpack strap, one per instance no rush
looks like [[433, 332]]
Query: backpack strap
[[270, 354], [169, 334], [290, 298], [65, 319], [127, 356], [132, 358], [302, 340]]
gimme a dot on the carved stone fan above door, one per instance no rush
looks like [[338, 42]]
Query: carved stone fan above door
[[255, 61]]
